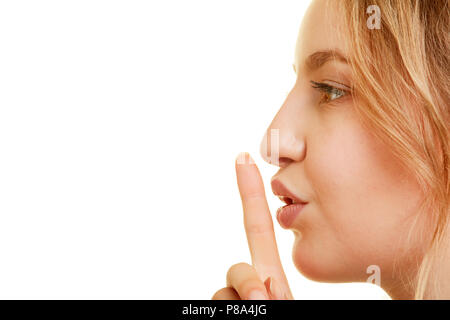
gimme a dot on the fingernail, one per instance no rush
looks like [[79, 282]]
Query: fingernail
[[267, 284], [242, 158], [257, 295]]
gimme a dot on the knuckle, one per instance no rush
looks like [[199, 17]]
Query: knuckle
[[259, 228], [235, 271], [243, 278], [237, 266], [256, 195], [220, 293]]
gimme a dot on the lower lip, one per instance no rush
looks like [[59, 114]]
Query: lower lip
[[287, 214]]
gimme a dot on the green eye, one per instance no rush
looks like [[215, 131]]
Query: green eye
[[329, 92], [335, 93]]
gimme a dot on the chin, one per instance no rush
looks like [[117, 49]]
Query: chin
[[320, 264]]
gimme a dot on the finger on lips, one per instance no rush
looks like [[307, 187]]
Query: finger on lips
[[265, 278], [258, 223], [257, 218]]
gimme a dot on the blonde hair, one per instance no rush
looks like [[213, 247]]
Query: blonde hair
[[401, 80]]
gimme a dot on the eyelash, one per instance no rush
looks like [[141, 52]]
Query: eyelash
[[327, 89]]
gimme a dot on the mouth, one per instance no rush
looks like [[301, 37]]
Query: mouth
[[284, 194], [288, 200], [293, 205]]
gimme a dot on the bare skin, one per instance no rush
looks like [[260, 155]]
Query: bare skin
[[252, 282], [362, 204]]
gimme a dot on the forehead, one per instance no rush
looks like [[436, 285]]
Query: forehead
[[321, 29]]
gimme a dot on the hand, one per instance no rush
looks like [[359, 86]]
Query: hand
[[265, 278]]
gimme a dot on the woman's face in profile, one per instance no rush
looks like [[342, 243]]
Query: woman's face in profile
[[361, 202]]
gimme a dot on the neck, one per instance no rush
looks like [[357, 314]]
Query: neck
[[399, 290], [438, 282]]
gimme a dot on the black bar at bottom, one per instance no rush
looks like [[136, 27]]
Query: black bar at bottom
[[208, 309]]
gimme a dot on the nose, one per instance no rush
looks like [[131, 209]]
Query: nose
[[284, 140]]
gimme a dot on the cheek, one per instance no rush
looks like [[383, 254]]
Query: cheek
[[363, 200]]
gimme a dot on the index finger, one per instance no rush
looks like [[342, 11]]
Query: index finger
[[257, 220]]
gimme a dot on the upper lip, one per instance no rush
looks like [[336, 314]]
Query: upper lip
[[280, 190]]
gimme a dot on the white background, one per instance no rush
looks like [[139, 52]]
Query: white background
[[119, 125]]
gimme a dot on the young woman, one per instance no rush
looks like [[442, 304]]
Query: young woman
[[363, 151]]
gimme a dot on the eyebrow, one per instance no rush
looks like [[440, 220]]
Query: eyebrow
[[319, 58]]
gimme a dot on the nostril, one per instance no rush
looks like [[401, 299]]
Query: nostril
[[283, 161]]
